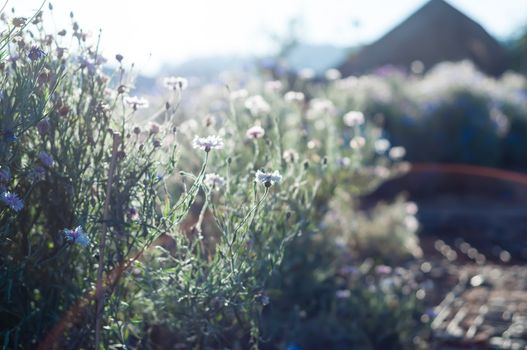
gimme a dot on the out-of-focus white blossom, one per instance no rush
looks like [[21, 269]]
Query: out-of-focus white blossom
[[257, 106], [353, 118], [255, 132], [208, 143], [397, 153]]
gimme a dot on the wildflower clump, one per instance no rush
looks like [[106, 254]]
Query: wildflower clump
[[198, 249]]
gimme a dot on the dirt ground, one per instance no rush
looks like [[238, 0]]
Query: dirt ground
[[474, 238]]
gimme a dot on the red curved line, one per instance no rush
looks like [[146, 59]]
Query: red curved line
[[69, 317], [473, 170]]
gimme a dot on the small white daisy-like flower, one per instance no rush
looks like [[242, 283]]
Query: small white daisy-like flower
[[344, 162], [273, 86], [411, 223], [208, 143], [255, 132], [333, 74], [294, 97], [397, 153], [411, 208], [290, 155], [382, 172], [320, 106], [268, 179], [175, 83], [353, 118], [257, 105], [381, 145], [136, 102], [306, 74], [214, 181], [357, 142], [239, 94]]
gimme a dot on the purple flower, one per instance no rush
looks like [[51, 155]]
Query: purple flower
[[154, 128], [86, 63], [383, 270], [132, 214], [35, 53], [430, 312], [38, 173], [349, 270], [43, 126], [9, 136], [12, 201], [46, 159], [77, 236]]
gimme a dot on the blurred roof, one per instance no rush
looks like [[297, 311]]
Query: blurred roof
[[436, 32]]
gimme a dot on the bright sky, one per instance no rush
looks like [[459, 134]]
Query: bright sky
[[150, 32]]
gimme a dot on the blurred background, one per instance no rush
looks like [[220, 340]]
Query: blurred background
[[205, 37]]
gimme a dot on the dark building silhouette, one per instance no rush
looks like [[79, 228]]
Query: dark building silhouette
[[436, 32]]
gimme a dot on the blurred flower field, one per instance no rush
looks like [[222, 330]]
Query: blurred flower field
[[222, 215]]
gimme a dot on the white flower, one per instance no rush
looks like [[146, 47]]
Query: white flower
[[381, 145], [306, 74], [214, 181], [268, 179], [273, 86], [411, 223], [357, 142], [344, 162], [239, 94], [333, 74], [208, 143], [255, 132], [320, 106], [175, 83], [294, 96], [136, 102], [189, 127], [353, 118], [411, 208], [397, 153], [290, 155], [257, 105], [381, 172]]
